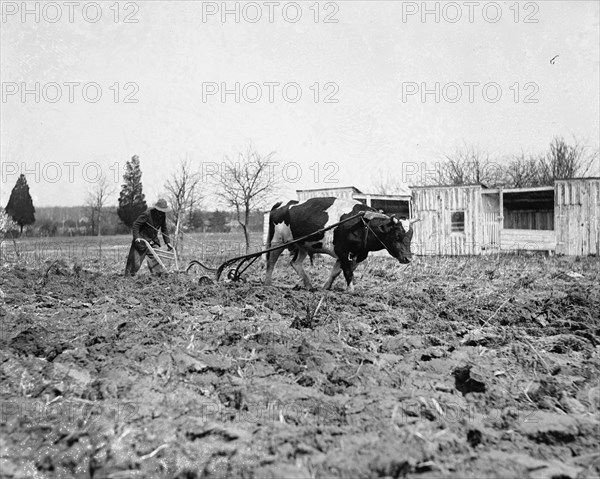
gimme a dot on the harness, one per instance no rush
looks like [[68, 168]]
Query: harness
[[367, 229]]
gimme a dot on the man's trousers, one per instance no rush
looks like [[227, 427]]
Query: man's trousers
[[137, 253]]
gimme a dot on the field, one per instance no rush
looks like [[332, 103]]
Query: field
[[110, 252], [450, 367]]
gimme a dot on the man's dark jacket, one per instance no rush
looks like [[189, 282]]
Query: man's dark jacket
[[148, 224]]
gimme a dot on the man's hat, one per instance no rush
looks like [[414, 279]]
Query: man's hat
[[161, 205]]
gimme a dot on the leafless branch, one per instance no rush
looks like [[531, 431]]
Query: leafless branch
[[246, 184], [96, 200]]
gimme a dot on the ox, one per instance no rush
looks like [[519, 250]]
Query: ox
[[349, 242]]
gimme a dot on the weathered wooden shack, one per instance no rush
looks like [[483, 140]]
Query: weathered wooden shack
[[472, 219]]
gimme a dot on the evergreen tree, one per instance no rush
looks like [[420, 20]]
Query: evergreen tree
[[20, 205], [131, 199]]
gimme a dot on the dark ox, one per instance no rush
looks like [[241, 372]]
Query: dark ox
[[349, 243]]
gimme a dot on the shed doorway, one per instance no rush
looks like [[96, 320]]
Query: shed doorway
[[528, 219]]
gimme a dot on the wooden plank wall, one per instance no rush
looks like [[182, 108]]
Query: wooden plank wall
[[532, 240], [490, 222], [434, 206], [577, 216]]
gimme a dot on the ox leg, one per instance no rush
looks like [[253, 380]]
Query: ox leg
[[273, 256], [335, 272], [348, 267], [297, 265]]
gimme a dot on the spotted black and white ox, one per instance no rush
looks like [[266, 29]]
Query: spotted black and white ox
[[349, 242]]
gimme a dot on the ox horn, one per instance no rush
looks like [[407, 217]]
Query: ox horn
[[371, 215], [415, 220]]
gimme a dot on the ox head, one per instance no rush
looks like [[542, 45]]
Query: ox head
[[395, 233]]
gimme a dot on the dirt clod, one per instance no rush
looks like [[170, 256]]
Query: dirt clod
[[465, 383]]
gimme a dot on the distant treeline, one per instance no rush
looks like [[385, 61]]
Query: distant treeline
[[75, 221]]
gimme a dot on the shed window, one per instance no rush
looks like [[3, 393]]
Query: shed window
[[458, 222]]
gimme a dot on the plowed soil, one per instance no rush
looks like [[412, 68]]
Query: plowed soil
[[461, 367]]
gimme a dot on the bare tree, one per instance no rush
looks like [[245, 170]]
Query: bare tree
[[471, 166], [522, 172], [246, 185], [96, 201], [566, 161], [183, 194], [468, 165]]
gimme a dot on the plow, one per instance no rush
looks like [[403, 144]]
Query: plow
[[238, 265]]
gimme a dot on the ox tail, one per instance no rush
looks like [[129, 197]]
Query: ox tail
[[271, 232]]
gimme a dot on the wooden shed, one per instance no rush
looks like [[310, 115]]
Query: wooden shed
[[472, 219]]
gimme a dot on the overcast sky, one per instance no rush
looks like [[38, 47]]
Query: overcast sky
[[374, 52]]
